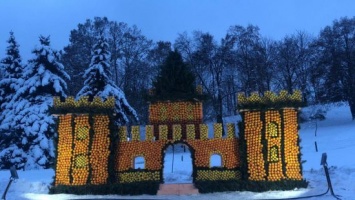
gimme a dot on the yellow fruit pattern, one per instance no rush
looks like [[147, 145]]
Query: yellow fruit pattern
[[274, 154], [149, 131], [190, 131], [163, 130], [213, 175], [64, 150], [230, 130], [203, 132], [130, 177], [122, 133], [177, 132], [135, 133], [71, 104], [217, 130], [269, 99]]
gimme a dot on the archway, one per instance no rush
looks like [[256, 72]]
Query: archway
[[178, 164]]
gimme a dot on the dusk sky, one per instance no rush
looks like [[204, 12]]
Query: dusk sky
[[164, 19]]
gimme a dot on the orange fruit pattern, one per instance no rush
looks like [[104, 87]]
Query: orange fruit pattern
[[152, 153], [293, 170], [64, 150], [100, 150], [253, 127], [150, 150], [227, 148]]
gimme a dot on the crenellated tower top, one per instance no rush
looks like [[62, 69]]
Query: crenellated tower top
[[83, 105], [269, 100]]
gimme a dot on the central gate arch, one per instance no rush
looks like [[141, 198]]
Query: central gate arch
[[178, 163]]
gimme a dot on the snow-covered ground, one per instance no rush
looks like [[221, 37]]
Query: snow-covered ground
[[335, 136]]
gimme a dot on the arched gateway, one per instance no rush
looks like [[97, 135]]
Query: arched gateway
[[166, 136], [265, 156], [178, 163]]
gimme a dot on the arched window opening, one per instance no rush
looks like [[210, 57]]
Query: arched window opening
[[139, 162], [216, 160]]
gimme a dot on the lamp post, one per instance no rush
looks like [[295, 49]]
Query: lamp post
[[12, 178], [326, 171], [325, 166]]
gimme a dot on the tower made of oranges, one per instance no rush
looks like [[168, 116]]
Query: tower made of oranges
[[83, 141], [269, 132]]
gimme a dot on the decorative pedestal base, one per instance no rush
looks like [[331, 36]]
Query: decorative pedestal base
[[177, 189]]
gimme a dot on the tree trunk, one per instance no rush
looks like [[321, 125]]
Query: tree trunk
[[352, 107], [220, 112]]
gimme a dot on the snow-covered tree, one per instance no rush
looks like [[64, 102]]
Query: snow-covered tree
[[12, 70], [98, 83], [44, 77], [12, 75]]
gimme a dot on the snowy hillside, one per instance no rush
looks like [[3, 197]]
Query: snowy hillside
[[335, 136]]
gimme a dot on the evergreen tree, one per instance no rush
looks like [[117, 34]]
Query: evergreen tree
[[12, 75], [175, 80], [98, 83], [12, 70], [29, 117]]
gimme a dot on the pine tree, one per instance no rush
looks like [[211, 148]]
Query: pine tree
[[12, 75], [44, 77], [12, 70], [175, 80], [98, 83]]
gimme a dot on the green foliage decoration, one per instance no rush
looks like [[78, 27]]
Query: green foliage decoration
[[175, 81], [137, 188]]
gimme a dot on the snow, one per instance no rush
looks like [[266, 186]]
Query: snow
[[177, 164], [335, 136]]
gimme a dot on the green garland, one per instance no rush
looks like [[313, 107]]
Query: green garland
[[242, 185], [138, 188]]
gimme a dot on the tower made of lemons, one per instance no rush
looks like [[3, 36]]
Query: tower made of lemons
[[269, 136]]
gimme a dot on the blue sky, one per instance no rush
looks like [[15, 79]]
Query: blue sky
[[164, 19]]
